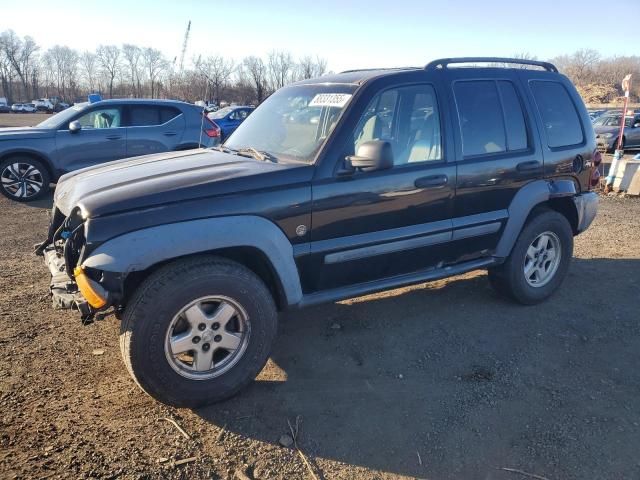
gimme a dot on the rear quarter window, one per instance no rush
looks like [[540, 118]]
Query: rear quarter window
[[558, 112]]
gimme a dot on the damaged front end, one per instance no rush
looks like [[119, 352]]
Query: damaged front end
[[72, 286]]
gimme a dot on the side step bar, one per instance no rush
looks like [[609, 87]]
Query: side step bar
[[366, 288]]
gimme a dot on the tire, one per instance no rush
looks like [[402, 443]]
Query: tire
[[149, 325], [510, 280], [23, 178]]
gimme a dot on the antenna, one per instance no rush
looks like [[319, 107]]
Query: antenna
[[184, 46]]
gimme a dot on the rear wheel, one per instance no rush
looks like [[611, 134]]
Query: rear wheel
[[539, 260], [197, 331], [23, 179]]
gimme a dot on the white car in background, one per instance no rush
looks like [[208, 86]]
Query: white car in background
[[43, 105], [29, 108], [16, 108]]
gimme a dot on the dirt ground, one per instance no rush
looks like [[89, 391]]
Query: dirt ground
[[443, 380], [22, 119]]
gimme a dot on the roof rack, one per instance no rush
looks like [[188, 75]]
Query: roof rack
[[376, 69], [444, 62]]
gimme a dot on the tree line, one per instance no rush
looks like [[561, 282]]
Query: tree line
[[28, 72]]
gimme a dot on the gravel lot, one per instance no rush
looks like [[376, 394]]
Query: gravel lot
[[441, 380]]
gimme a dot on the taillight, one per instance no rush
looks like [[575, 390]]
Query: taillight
[[595, 173], [597, 157], [210, 128]]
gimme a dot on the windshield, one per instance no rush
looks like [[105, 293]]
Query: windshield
[[294, 122], [63, 117], [223, 112]]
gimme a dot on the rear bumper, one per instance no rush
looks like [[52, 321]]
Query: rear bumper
[[587, 208]]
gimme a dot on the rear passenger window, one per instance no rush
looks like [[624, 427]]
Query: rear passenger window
[[480, 117], [513, 116], [168, 113], [144, 116], [491, 117], [558, 112]]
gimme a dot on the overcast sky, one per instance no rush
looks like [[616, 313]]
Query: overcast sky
[[348, 33]]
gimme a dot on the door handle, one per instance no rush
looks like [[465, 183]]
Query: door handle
[[432, 181], [528, 166], [169, 134], [114, 137]]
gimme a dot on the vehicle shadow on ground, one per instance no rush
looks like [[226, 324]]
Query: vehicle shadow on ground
[[45, 202], [449, 379]]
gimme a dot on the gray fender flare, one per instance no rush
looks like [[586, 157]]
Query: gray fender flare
[[523, 202], [141, 249]]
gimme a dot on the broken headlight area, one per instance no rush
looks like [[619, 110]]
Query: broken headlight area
[[73, 286]]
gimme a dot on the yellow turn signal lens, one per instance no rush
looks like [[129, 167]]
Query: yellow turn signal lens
[[92, 292]]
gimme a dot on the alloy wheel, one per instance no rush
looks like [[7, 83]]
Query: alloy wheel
[[21, 180], [542, 259], [207, 337]]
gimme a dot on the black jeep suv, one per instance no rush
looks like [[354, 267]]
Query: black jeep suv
[[333, 188]]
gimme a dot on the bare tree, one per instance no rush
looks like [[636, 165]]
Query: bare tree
[[257, 72], [6, 75], [308, 67], [217, 70], [579, 66], [133, 56], [109, 60], [21, 56], [89, 66], [154, 64], [64, 61], [281, 67]]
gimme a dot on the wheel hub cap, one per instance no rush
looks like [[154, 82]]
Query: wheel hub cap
[[207, 337], [542, 259], [21, 180]]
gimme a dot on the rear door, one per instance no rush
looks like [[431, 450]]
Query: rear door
[[102, 138], [497, 153], [153, 129]]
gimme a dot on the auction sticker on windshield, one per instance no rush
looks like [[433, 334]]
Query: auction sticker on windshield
[[338, 100]]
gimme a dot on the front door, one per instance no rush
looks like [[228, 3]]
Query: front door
[[372, 225], [102, 138]]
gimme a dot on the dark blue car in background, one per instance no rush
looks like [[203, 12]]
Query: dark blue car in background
[[96, 132], [229, 118]]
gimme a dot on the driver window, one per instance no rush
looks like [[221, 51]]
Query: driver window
[[101, 118], [408, 119]]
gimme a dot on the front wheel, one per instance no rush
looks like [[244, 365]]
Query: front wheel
[[197, 331], [538, 261], [23, 179]]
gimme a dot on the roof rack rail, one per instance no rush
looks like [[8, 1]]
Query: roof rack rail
[[375, 69], [443, 62]]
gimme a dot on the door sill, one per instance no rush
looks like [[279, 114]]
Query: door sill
[[426, 275]]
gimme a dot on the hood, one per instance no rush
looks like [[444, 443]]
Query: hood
[[154, 180], [24, 133], [606, 129]]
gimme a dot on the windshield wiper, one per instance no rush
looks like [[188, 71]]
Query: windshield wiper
[[257, 154]]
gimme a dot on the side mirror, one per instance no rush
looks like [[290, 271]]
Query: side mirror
[[371, 156], [75, 126]]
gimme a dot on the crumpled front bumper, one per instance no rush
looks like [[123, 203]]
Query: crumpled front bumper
[[64, 290]]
